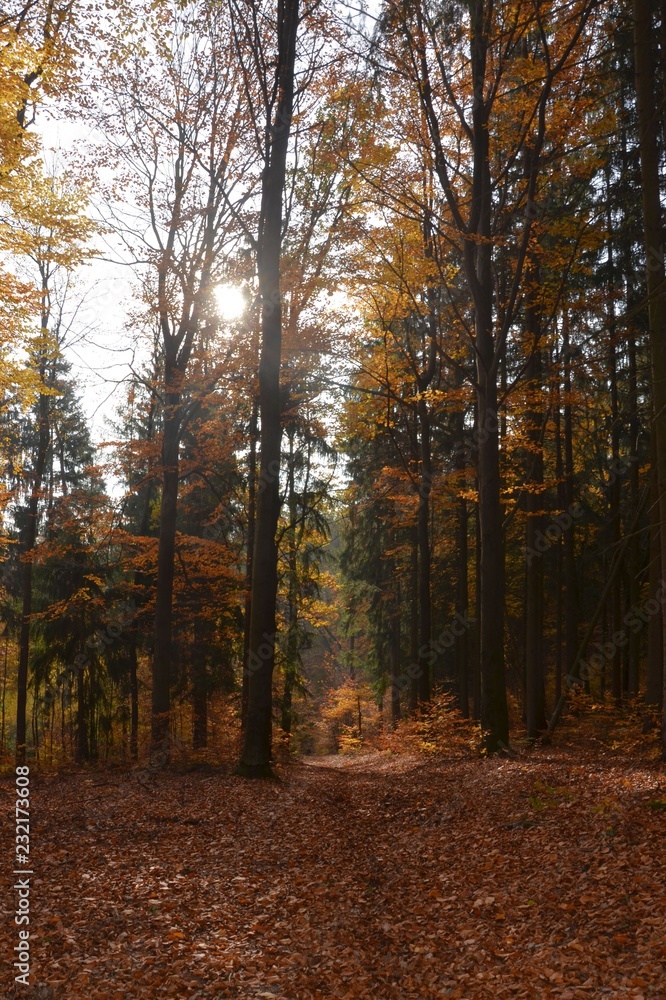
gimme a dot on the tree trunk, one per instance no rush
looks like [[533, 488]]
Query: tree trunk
[[648, 122], [478, 269], [461, 649], [256, 754], [634, 555], [292, 643], [615, 473], [27, 554], [425, 483], [534, 638], [655, 663], [494, 710], [4, 691], [394, 653], [462, 607], [199, 694], [414, 621], [571, 592], [249, 545], [559, 610], [139, 580], [82, 746], [162, 654], [134, 695], [476, 659]]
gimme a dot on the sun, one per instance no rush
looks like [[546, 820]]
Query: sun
[[231, 302]]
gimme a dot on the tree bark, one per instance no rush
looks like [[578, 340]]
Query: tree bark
[[614, 533], [139, 581], [648, 123], [534, 638], [292, 643], [414, 621], [462, 606], [27, 555], [395, 662], [82, 745], [571, 581], [655, 663], [425, 483], [476, 660], [162, 653], [256, 753], [199, 695], [249, 545]]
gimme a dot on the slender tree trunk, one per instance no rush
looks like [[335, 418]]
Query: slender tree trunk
[[256, 754], [655, 663], [82, 745], [134, 695], [139, 581], [292, 643], [494, 710], [614, 533], [478, 269], [92, 718], [249, 545], [461, 649], [395, 658], [162, 653], [462, 607], [571, 592], [534, 638], [561, 502], [425, 484], [476, 660], [395, 668], [648, 123], [634, 556], [414, 620], [4, 691], [199, 694], [287, 699], [27, 555]]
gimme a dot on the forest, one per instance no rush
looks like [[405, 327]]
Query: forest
[[333, 451]]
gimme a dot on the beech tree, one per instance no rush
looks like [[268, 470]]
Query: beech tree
[[174, 118], [648, 122], [273, 127], [490, 80]]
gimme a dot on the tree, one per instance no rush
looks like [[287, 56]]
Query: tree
[[50, 215], [174, 119], [277, 111], [464, 75], [648, 124]]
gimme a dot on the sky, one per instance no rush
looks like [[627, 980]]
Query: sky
[[100, 349]]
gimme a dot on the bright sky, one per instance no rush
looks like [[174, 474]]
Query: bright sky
[[101, 352]]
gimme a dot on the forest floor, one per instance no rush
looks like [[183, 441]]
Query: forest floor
[[376, 876]]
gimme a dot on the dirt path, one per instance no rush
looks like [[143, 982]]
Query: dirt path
[[387, 878]]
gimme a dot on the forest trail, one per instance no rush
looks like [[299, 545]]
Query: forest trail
[[380, 877]]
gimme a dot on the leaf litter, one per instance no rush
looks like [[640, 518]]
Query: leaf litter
[[384, 876]]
